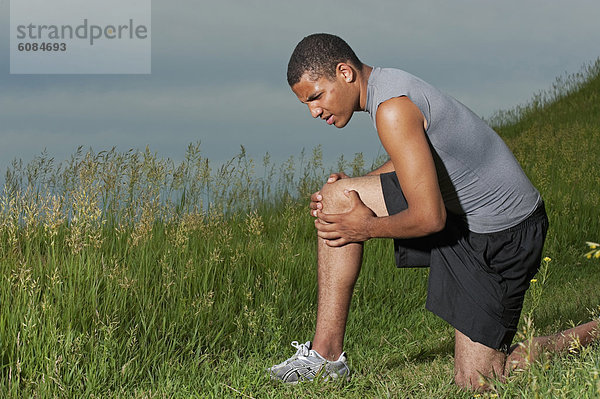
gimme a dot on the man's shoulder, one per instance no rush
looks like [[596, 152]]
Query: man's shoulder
[[395, 105], [395, 91], [393, 81], [397, 111], [393, 74]]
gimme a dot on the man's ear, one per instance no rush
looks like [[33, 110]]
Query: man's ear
[[346, 72]]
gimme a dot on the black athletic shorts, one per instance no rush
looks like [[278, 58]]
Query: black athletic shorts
[[477, 282]]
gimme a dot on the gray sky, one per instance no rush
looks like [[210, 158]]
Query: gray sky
[[218, 73]]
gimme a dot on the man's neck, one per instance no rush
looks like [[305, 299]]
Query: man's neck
[[364, 81]]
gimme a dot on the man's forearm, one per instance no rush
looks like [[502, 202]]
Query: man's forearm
[[408, 224], [385, 168]]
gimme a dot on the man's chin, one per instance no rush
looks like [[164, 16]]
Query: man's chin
[[341, 124]]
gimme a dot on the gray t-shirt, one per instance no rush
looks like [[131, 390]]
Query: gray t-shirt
[[479, 177]]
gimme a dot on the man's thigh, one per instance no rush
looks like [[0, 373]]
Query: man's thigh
[[368, 188]]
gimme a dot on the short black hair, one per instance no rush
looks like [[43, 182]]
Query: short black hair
[[318, 55]]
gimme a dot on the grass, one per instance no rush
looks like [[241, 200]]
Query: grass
[[127, 275]]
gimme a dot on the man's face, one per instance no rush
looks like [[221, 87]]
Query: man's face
[[334, 101]]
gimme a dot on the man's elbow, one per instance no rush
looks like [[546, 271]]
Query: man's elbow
[[435, 221]]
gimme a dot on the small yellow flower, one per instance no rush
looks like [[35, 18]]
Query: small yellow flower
[[534, 280], [547, 259]]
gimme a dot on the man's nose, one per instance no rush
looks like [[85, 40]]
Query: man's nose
[[315, 111]]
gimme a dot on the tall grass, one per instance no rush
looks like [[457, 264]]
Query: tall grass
[[123, 274], [121, 269]]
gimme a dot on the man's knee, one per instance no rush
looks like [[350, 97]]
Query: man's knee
[[334, 199], [475, 364], [368, 187], [470, 380]]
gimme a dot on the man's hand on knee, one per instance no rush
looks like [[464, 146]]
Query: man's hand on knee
[[316, 198], [343, 228]]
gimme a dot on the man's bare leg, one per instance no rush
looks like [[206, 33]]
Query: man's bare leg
[[526, 352], [339, 267], [473, 361]]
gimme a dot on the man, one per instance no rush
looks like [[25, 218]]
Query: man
[[452, 196]]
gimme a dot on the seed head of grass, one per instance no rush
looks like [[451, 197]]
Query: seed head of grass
[[595, 251], [254, 224]]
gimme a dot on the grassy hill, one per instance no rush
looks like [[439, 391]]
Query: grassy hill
[[126, 275], [572, 99]]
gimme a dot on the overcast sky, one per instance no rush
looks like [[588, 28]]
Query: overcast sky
[[218, 73]]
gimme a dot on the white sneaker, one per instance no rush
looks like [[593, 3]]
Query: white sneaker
[[306, 364]]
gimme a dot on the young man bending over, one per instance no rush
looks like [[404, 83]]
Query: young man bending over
[[452, 196]]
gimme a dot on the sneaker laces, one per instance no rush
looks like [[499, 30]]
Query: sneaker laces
[[301, 349]]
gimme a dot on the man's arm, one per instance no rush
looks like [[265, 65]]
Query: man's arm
[[401, 128], [388, 166]]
